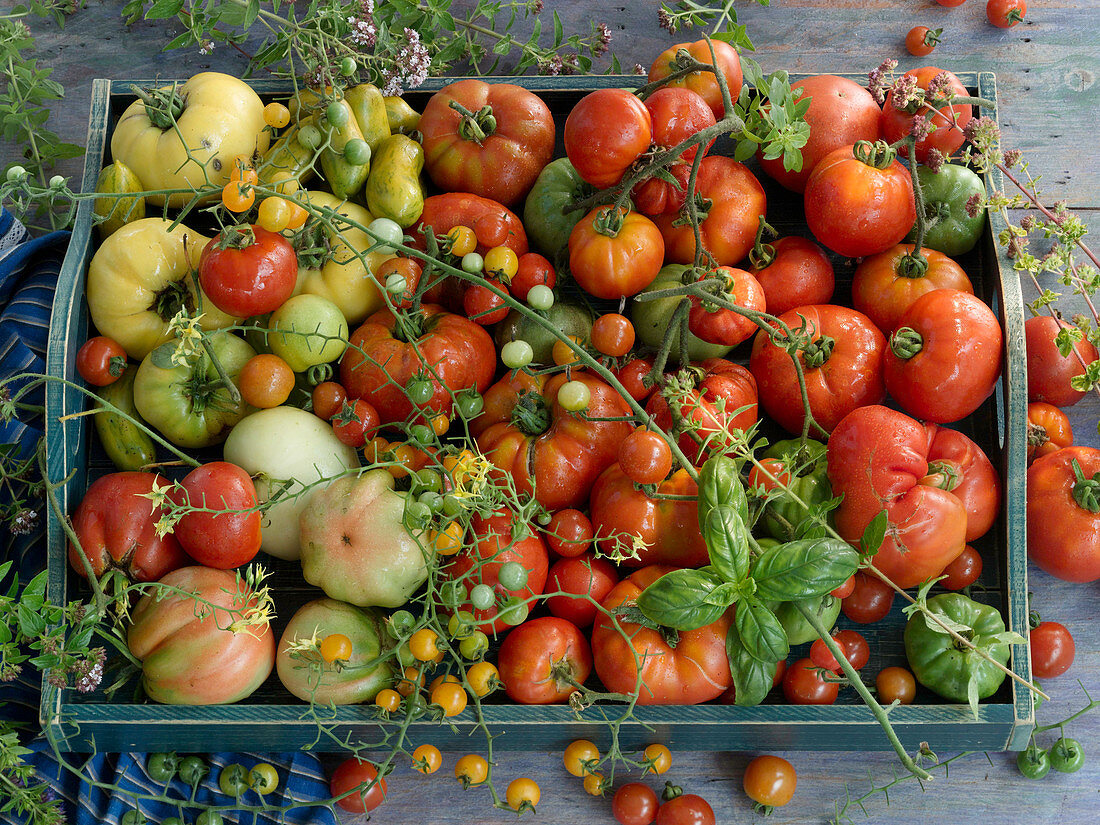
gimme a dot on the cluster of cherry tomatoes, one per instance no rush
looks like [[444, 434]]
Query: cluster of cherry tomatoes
[[920, 41]]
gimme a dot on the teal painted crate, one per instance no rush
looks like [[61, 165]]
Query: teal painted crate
[[272, 720]]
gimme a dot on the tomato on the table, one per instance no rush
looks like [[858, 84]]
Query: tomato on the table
[[634, 804], [356, 773], [1063, 513], [688, 809], [770, 781], [1049, 373], [1052, 650]]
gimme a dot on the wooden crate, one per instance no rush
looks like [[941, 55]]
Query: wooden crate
[[272, 720]]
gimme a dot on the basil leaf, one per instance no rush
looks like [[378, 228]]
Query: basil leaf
[[752, 679], [679, 600], [803, 568], [720, 484], [761, 633], [727, 540], [724, 594], [873, 535]]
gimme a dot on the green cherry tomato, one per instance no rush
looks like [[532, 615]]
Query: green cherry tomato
[[432, 500], [209, 818], [15, 173], [1066, 755], [400, 624], [421, 434], [428, 480], [310, 136], [337, 114], [512, 575], [389, 232], [1034, 763], [452, 506], [405, 655], [172, 820], [461, 624], [516, 355], [474, 645], [162, 766], [469, 404], [357, 152], [417, 514], [193, 770], [263, 778], [472, 262], [419, 389], [233, 780], [348, 66], [452, 594], [514, 611], [57, 181], [133, 817], [482, 597], [574, 396], [540, 297]]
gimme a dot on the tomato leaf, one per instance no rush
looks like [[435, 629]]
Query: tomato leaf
[[761, 633], [874, 535], [752, 678], [803, 568], [679, 600], [727, 540]]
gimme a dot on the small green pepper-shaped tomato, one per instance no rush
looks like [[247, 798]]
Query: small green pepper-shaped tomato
[[809, 485], [940, 665], [949, 229]]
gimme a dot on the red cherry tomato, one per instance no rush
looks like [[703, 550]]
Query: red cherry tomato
[[534, 270], [569, 532], [870, 600], [356, 422], [587, 580], [963, 571], [920, 41], [634, 804], [354, 773], [1052, 650], [645, 457], [100, 361], [1004, 14], [852, 644], [688, 809], [803, 686]]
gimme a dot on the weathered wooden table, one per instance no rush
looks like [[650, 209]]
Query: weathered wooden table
[[1046, 70]]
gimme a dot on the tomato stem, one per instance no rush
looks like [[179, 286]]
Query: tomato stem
[[878, 154], [906, 342], [762, 254], [163, 107]]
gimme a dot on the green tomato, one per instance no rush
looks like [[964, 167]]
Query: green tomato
[[388, 232], [432, 500], [469, 403], [337, 114], [209, 818], [540, 297], [1066, 755], [348, 66], [461, 624], [544, 212], [15, 173], [357, 152], [400, 624], [419, 389], [233, 780], [564, 316], [452, 594], [1034, 763], [799, 631], [474, 646], [516, 355], [161, 767], [428, 480], [421, 434], [57, 181], [940, 665], [482, 596], [574, 396], [948, 228], [308, 330], [417, 514], [193, 770], [512, 575], [263, 778], [514, 611], [396, 283], [310, 136], [472, 262], [133, 817], [188, 402], [652, 319]]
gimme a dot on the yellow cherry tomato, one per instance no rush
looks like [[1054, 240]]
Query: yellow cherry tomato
[[335, 646], [427, 759], [276, 115], [502, 262], [274, 214], [463, 240]]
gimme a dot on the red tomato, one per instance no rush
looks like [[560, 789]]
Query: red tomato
[[667, 530], [722, 325], [549, 452], [803, 686], [538, 656], [963, 571], [483, 306], [728, 230], [703, 83], [251, 276], [921, 41], [1048, 430], [1052, 650], [496, 148], [944, 358], [1048, 371], [615, 253], [493, 224], [870, 600], [100, 361], [645, 457], [634, 804], [613, 334], [885, 285], [569, 533], [1063, 514], [495, 546], [677, 114], [534, 269], [770, 781], [878, 459], [582, 577], [841, 112], [793, 272], [695, 670], [222, 540], [631, 375], [605, 132], [1004, 14], [453, 352], [407, 268], [856, 208], [897, 123], [356, 423], [842, 367], [357, 773], [116, 524], [852, 645], [724, 398], [957, 464], [656, 196], [687, 809]]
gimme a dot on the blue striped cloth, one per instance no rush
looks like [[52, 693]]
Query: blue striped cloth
[[28, 277]]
